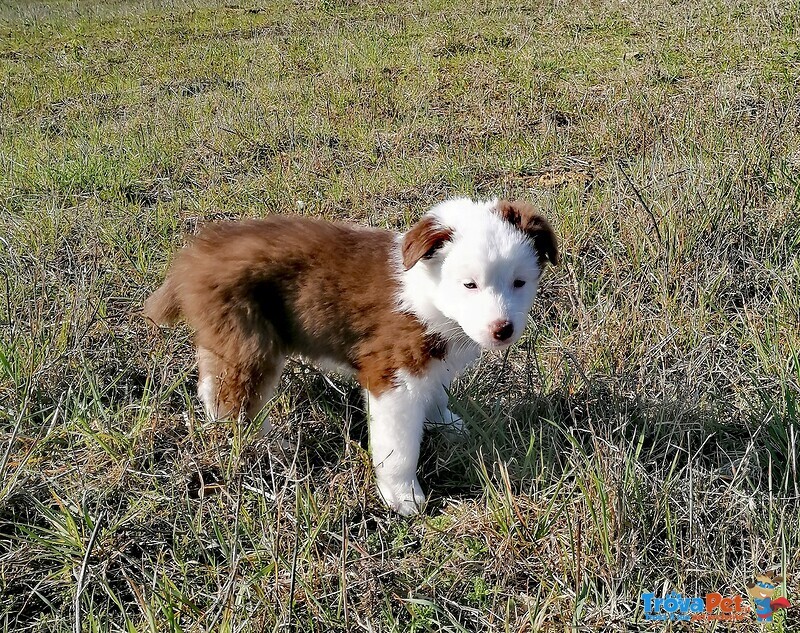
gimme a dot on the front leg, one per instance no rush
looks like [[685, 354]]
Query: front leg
[[396, 418], [460, 355], [440, 417]]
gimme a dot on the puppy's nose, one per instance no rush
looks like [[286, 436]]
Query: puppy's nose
[[502, 330]]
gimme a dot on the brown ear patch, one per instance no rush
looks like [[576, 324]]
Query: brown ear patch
[[423, 240], [523, 216]]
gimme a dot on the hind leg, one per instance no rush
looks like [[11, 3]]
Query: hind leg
[[270, 377], [217, 386], [231, 391]]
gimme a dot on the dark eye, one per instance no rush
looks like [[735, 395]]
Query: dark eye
[[471, 285], [518, 283]]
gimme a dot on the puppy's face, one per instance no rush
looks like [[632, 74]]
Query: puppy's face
[[488, 291], [483, 262]]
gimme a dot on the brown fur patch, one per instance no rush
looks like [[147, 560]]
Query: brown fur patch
[[524, 217], [258, 290]]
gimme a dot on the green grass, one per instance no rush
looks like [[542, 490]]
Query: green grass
[[643, 435]]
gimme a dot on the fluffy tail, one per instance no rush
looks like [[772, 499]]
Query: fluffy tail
[[162, 306]]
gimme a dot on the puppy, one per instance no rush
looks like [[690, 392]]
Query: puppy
[[404, 313]]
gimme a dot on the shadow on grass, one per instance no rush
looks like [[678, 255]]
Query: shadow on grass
[[538, 437]]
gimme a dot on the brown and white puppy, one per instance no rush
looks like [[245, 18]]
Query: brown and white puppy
[[404, 313]]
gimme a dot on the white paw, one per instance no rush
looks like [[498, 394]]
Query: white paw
[[448, 422], [405, 498]]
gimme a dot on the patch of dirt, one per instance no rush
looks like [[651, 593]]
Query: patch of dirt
[[554, 176], [202, 85]]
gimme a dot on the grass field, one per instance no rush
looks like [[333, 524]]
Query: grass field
[[641, 438]]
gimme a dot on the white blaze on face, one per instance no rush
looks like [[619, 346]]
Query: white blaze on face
[[489, 274], [489, 296], [480, 282]]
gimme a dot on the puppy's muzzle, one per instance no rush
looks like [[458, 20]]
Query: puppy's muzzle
[[502, 330]]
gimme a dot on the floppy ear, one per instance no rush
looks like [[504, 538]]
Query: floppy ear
[[423, 240], [524, 217]]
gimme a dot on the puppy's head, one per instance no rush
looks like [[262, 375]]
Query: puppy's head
[[480, 264]]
